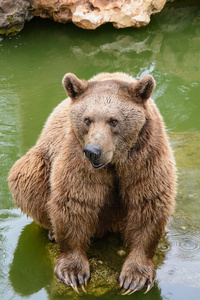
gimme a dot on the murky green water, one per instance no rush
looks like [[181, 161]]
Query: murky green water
[[31, 68]]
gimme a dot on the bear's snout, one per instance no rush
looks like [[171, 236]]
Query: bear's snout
[[93, 153]]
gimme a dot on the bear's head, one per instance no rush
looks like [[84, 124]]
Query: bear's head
[[107, 113]]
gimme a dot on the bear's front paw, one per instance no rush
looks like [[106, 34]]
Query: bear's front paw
[[135, 276], [73, 269]]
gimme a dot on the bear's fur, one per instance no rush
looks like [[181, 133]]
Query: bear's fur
[[101, 164]]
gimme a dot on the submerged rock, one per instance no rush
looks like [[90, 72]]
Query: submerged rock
[[88, 14], [105, 264], [106, 257]]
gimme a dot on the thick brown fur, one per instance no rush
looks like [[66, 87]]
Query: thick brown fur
[[129, 188]]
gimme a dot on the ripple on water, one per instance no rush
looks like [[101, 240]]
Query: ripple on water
[[184, 234], [164, 247], [187, 244], [181, 227]]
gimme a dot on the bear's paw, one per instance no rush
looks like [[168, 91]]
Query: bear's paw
[[136, 276], [73, 270]]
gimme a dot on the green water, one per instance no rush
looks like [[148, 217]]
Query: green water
[[32, 65]]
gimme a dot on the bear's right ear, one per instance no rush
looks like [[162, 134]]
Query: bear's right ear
[[74, 86]]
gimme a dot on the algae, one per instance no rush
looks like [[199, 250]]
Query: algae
[[105, 263], [13, 30]]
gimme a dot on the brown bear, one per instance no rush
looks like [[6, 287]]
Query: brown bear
[[101, 164]]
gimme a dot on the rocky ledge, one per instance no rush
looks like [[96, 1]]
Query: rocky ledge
[[87, 14]]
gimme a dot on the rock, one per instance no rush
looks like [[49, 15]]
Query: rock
[[13, 14], [122, 14], [105, 266], [88, 14], [121, 252]]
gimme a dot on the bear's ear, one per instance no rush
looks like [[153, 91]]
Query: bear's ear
[[142, 89], [74, 86]]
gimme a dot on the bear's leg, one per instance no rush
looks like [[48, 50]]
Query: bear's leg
[[74, 208], [73, 225], [145, 224], [29, 182]]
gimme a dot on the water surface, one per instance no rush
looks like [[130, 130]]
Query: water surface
[[32, 65]]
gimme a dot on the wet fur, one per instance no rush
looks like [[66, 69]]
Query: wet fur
[[134, 193]]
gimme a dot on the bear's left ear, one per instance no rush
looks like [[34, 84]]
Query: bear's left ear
[[142, 89], [74, 86]]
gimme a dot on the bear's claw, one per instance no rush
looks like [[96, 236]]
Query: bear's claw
[[51, 236], [66, 280], [130, 292], [83, 288], [75, 288], [73, 270], [136, 277]]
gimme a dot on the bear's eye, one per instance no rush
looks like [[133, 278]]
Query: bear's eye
[[87, 121], [113, 122]]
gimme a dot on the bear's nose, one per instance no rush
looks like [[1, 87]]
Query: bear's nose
[[92, 152]]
